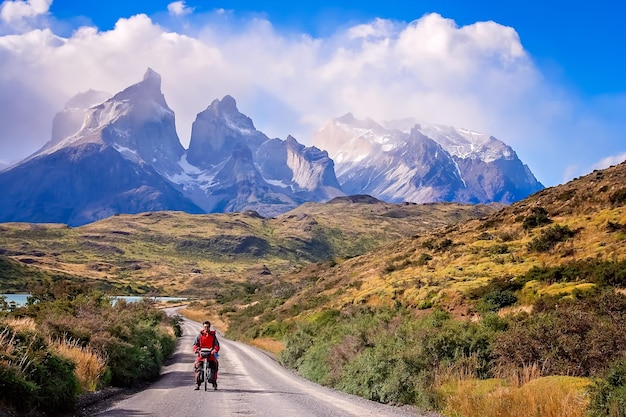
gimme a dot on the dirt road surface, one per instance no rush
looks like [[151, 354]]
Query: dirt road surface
[[251, 383]]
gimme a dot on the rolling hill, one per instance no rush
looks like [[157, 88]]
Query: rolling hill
[[583, 221], [174, 253]]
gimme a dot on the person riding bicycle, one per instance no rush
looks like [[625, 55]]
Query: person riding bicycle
[[206, 339]]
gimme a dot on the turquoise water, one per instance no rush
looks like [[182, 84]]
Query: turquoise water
[[20, 299], [135, 298]]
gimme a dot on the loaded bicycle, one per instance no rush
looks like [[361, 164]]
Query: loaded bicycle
[[206, 370]]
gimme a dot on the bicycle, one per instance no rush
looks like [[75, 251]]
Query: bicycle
[[206, 375]]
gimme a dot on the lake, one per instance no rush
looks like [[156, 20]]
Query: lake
[[20, 299]]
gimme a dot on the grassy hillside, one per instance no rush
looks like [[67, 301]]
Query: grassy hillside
[[17, 277], [171, 253], [583, 220], [474, 318], [468, 310]]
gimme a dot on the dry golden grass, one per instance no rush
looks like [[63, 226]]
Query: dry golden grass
[[21, 324], [7, 339], [6, 343], [479, 251], [201, 314], [9, 355], [269, 345], [553, 396], [90, 366]]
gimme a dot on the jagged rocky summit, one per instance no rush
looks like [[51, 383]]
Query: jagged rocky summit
[[121, 154], [407, 161], [125, 157]]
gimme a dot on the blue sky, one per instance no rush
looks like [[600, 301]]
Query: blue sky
[[545, 77]]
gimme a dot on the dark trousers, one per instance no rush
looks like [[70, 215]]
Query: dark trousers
[[213, 364]]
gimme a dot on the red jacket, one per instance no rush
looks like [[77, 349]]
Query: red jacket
[[206, 340]]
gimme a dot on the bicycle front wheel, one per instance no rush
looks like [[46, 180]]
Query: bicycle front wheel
[[206, 374]]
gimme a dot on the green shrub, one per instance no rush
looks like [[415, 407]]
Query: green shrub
[[134, 343], [612, 227], [315, 365], [538, 217], [132, 336], [15, 390], [499, 249], [297, 345], [176, 323], [566, 195], [274, 329], [602, 273], [31, 378], [129, 364], [496, 287], [379, 375], [57, 386], [496, 300], [429, 244], [443, 245], [423, 259], [618, 198], [607, 396], [549, 238], [566, 336], [385, 355]]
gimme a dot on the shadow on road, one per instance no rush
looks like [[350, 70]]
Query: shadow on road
[[178, 379], [180, 357], [256, 391], [129, 413]]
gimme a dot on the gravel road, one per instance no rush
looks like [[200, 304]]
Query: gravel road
[[251, 383]]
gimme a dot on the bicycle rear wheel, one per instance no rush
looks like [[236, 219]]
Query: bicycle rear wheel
[[206, 374]]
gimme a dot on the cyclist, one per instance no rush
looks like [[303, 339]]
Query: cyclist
[[206, 339]]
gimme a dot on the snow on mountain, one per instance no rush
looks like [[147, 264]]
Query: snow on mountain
[[136, 121], [121, 154], [218, 130], [462, 143], [405, 161], [69, 121], [270, 176]]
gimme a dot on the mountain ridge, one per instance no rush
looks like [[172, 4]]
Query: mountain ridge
[[408, 161], [230, 166]]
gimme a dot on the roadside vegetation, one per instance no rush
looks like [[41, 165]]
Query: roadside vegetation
[[69, 341], [464, 311], [557, 361], [517, 314], [564, 354]]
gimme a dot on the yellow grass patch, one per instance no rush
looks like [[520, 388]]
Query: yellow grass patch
[[22, 324], [552, 396], [90, 365], [202, 314], [269, 345]]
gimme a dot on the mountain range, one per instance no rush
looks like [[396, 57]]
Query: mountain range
[[121, 154]]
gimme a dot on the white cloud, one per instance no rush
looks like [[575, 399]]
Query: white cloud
[[178, 8], [477, 76], [609, 161], [377, 29], [18, 13]]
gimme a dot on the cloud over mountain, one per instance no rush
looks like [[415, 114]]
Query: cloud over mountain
[[476, 76]]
